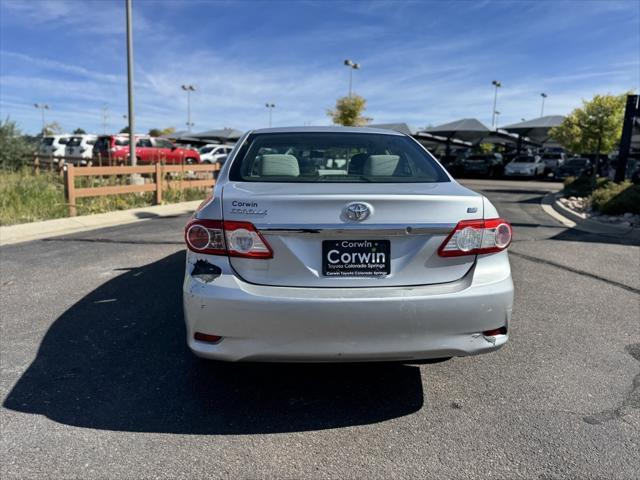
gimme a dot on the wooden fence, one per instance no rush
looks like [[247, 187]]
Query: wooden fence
[[42, 162], [160, 174]]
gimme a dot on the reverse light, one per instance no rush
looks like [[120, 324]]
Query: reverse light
[[235, 239], [243, 240], [474, 237]]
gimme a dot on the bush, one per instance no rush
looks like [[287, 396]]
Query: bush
[[617, 198], [14, 147], [582, 186]]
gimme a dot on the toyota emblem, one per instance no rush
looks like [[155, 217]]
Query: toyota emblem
[[357, 211]]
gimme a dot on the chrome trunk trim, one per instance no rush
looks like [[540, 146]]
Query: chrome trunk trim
[[389, 229]]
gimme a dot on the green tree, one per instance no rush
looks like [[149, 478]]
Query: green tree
[[79, 131], [348, 112], [15, 149], [156, 132], [596, 127], [124, 130], [52, 128], [486, 147]]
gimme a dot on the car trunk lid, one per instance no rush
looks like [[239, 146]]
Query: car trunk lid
[[303, 223]]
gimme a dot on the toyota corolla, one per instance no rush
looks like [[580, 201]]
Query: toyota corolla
[[343, 244]]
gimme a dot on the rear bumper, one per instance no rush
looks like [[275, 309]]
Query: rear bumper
[[262, 323]]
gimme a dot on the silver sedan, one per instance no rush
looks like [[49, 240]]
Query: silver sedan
[[339, 244]]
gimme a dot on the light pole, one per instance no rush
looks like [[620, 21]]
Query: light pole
[[352, 66], [133, 160], [497, 114], [105, 118], [496, 84], [42, 107], [189, 89], [270, 107], [543, 95]]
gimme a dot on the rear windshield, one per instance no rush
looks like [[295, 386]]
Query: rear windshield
[[63, 141], [551, 156], [74, 142], [334, 158], [47, 141]]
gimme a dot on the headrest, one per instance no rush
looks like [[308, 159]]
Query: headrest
[[381, 165], [279, 165]]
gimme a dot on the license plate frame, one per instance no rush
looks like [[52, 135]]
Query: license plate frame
[[364, 258]]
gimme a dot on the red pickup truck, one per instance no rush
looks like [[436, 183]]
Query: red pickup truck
[[149, 150]]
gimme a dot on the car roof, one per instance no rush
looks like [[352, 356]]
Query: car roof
[[331, 129]]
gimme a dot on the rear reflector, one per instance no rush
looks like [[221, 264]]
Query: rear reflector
[[495, 331], [474, 237], [235, 239], [204, 337]]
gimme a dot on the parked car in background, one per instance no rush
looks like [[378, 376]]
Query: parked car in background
[[574, 167], [149, 150], [79, 149], [525, 166], [160, 150], [552, 160], [490, 164], [111, 149], [383, 258], [53, 145], [214, 153]]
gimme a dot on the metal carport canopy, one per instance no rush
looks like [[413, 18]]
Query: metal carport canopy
[[225, 134], [424, 137], [502, 137], [398, 127], [466, 129], [536, 129]]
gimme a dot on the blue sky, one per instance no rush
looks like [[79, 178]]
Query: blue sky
[[423, 63]]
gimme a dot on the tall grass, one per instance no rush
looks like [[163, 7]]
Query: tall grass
[[26, 197]]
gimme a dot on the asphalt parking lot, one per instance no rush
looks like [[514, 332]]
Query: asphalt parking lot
[[97, 381]]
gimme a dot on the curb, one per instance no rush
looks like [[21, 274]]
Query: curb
[[26, 232], [571, 219]]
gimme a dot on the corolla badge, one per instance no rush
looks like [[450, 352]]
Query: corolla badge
[[357, 211]]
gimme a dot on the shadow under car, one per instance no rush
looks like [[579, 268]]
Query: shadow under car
[[118, 360]]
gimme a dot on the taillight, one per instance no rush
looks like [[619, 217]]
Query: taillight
[[474, 237], [235, 239], [243, 240]]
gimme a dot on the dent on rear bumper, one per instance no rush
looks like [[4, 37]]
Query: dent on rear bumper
[[264, 323]]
